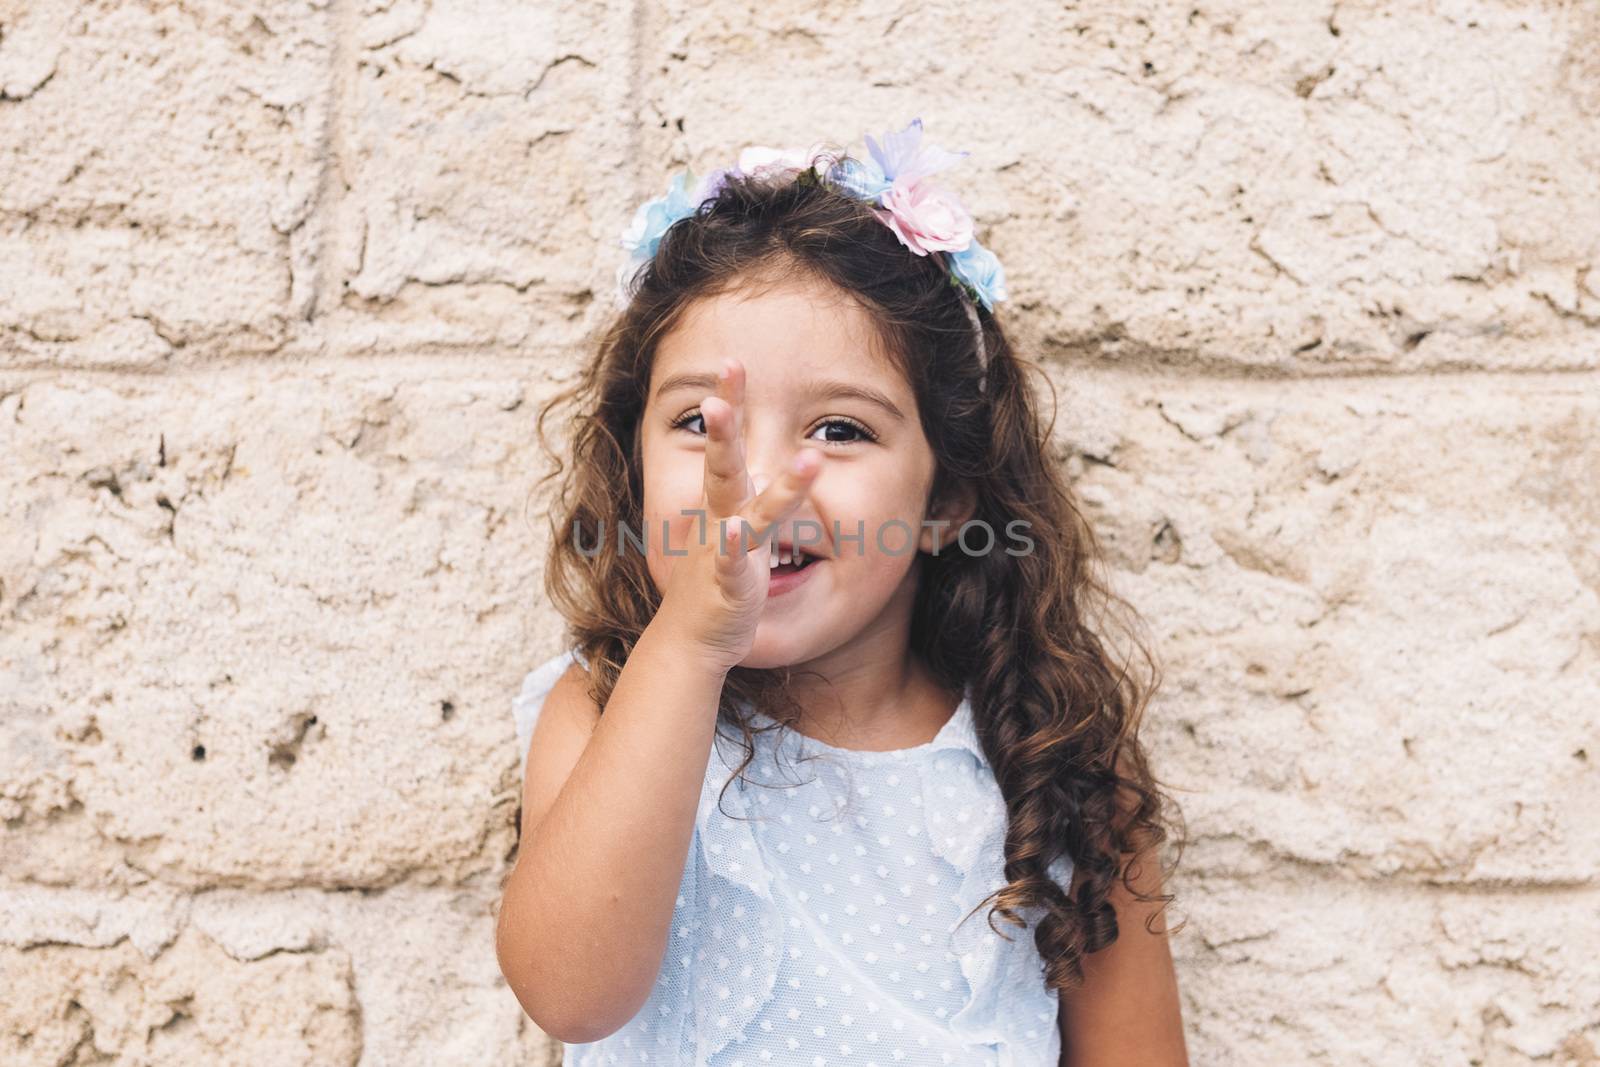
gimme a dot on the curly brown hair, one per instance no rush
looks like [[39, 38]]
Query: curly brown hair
[[1056, 713]]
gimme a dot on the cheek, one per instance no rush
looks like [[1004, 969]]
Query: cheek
[[887, 512], [673, 483], [673, 479], [669, 537]]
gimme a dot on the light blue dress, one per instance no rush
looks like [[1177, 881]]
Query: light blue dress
[[815, 923]]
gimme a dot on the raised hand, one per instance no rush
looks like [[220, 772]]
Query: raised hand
[[716, 592]]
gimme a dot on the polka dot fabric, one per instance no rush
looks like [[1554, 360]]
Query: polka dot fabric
[[818, 922]]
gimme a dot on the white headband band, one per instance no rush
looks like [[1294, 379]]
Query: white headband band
[[977, 328]]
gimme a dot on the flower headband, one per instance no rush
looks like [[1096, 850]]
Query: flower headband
[[927, 218]]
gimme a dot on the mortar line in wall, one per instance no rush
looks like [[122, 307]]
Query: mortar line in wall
[[1222, 370], [1319, 874], [1576, 888], [634, 165], [331, 201], [473, 362]]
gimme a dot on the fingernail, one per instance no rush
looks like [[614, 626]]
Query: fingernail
[[726, 372], [798, 464]]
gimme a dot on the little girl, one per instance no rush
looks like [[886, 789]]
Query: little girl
[[823, 576]]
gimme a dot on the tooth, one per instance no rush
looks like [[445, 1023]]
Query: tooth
[[773, 550], [785, 557]]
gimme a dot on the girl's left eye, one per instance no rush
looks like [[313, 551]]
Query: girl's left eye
[[847, 424]]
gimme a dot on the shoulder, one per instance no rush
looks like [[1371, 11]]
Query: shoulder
[[561, 718], [557, 689]]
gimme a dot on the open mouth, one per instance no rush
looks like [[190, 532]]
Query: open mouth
[[801, 561]]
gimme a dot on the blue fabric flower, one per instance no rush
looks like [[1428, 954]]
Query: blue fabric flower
[[861, 178], [652, 218], [981, 271]]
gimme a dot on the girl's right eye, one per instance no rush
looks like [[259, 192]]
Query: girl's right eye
[[687, 417]]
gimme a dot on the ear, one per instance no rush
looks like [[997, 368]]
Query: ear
[[954, 506]]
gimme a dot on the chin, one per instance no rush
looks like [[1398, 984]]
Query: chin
[[774, 647]]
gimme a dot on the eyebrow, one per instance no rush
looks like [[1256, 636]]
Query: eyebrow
[[823, 389]]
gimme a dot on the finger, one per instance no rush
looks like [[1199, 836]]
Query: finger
[[731, 558], [727, 480], [782, 498]]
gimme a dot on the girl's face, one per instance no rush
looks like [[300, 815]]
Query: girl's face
[[812, 379]]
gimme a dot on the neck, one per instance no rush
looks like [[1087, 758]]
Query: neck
[[872, 694]]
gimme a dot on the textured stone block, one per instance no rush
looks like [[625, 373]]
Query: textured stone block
[[1387, 974], [210, 583], [159, 170], [1379, 607], [484, 148], [430, 990], [191, 1004]]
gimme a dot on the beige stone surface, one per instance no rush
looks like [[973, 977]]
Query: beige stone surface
[[1386, 597], [191, 1004], [148, 148], [282, 286]]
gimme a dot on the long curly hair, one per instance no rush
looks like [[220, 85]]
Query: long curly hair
[[1056, 712]]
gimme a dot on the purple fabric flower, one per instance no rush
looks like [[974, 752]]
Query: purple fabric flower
[[903, 156]]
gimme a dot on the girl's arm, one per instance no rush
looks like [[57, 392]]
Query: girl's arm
[[1127, 1013], [608, 814]]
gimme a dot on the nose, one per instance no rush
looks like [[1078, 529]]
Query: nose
[[763, 460], [763, 468], [764, 454]]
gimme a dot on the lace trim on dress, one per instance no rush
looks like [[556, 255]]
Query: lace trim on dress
[[1005, 977], [726, 998]]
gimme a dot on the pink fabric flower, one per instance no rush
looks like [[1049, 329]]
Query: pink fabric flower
[[926, 217]]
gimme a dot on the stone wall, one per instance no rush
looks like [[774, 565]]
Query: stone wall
[[282, 284]]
